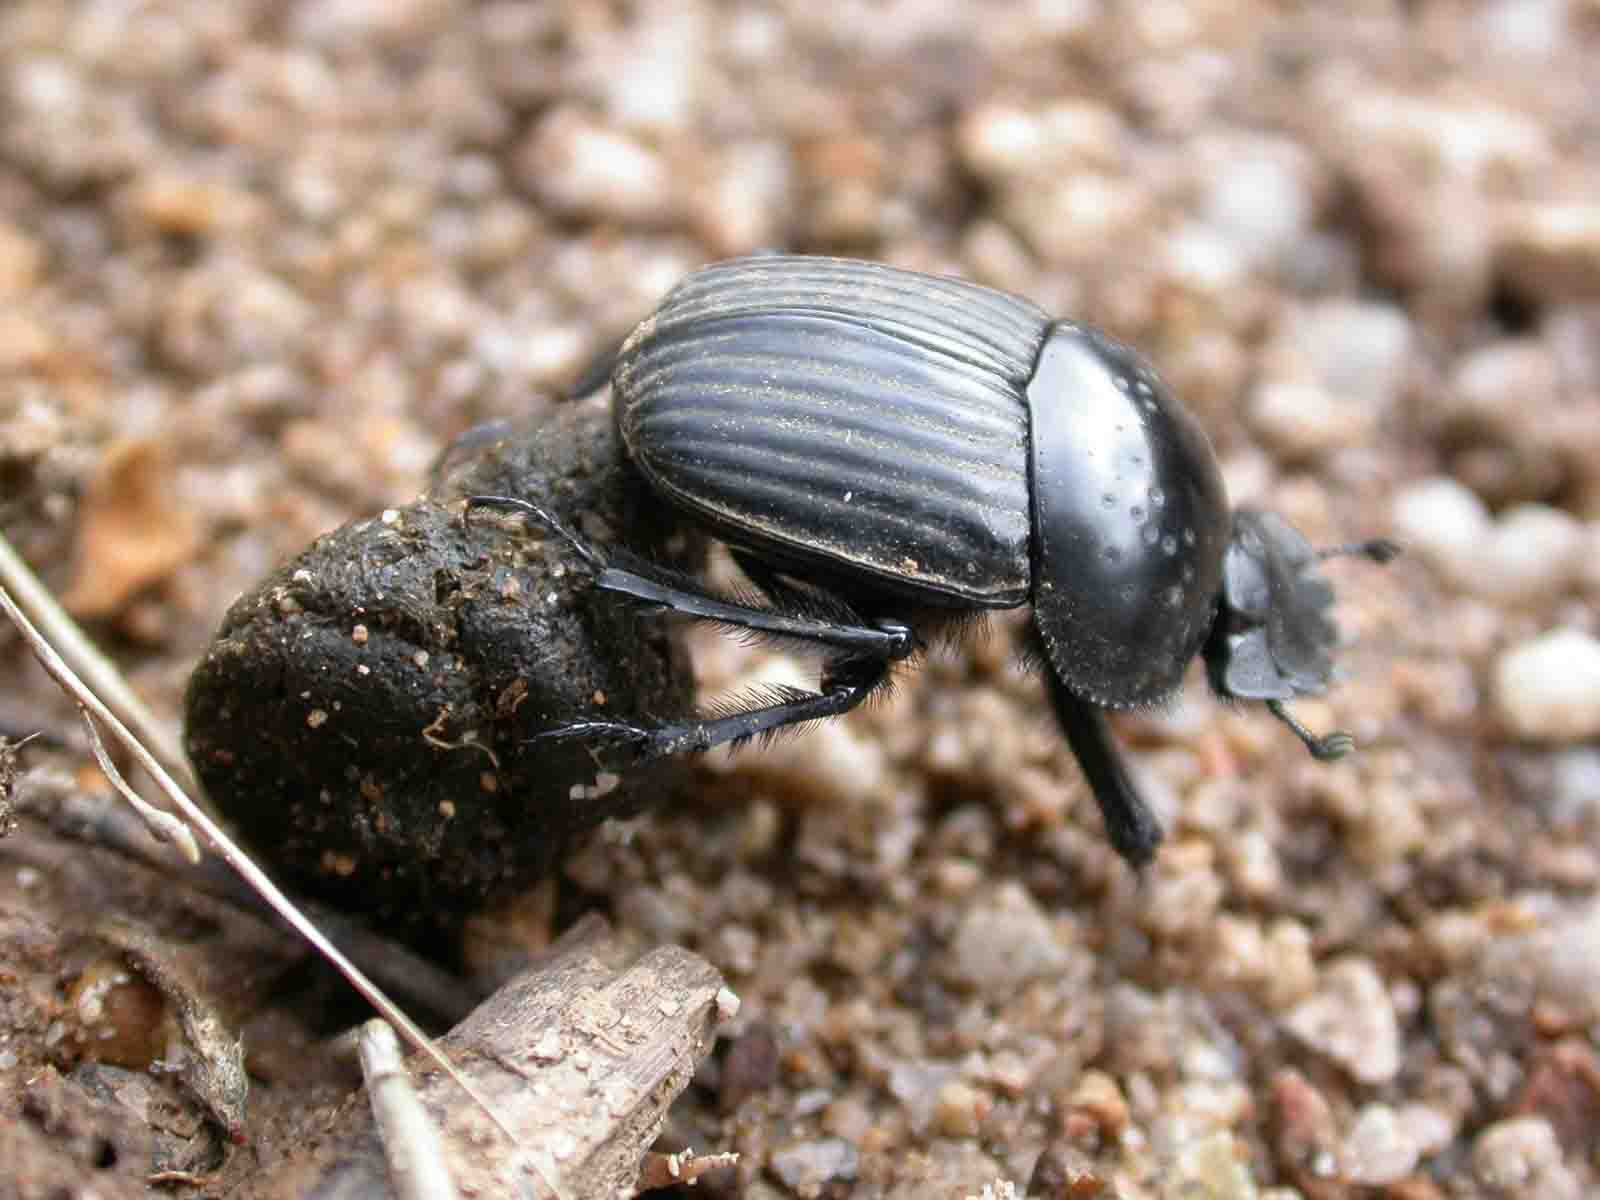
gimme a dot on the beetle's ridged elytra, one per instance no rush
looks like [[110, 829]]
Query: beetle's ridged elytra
[[880, 448], [833, 418]]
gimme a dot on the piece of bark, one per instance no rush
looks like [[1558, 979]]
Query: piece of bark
[[212, 1066], [581, 1056]]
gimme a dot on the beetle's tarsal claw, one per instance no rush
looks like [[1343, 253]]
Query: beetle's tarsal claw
[[1379, 550], [1327, 748], [592, 730], [540, 517]]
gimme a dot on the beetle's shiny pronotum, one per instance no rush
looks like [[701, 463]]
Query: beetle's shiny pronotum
[[885, 452]]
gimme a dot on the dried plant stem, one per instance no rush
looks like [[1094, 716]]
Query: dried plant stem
[[100, 674], [411, 1145], [162, 825]]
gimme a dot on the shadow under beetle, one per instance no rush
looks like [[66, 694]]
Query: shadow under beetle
[[886, 452]]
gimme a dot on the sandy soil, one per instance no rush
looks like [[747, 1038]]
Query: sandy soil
[[260, 262]]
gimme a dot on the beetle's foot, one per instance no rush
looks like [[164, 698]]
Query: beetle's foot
[[539, 516], [600, 733], [1329, 747], [613, 745]]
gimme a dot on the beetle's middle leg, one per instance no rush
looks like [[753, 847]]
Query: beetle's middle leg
[[659, 589]]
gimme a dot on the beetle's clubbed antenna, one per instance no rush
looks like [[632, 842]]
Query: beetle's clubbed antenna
[[1327, 748]]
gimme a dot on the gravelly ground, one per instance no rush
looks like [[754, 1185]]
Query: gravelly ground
[[260, 261]]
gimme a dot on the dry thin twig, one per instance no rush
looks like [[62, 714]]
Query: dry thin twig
[[163, 826], [69, 681], [411, 1144], [86, 661]]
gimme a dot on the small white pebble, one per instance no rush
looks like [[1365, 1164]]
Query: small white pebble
[[1442, 521], [582, 168], [1575, 788], [1350, 1019], [1260, 202], [1521, 1157], [1548, 689], [1356, 349], [1533, 553], [1378, 1149], [728, 1004], [1561, 958], [1492, 386], [1302, 419], [1004, 940]]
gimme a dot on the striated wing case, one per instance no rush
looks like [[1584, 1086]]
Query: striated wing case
[[845, 418]]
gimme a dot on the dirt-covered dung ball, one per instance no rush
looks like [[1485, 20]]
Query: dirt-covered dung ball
[[369, 717]]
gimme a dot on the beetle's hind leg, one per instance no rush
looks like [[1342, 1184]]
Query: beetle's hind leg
[[860, 654], [860, 657], [844, 686]]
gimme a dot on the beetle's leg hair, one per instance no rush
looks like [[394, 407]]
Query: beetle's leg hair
[[1379, 550], [1327, 748], [1133, 830], [846, 684], [540, 517]]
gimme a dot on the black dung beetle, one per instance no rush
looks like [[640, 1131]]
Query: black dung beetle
[[886, 452]]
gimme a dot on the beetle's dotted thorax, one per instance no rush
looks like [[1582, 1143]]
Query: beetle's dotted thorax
[[1130, 520]]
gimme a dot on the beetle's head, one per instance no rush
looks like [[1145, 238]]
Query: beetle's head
[[1272, 638]]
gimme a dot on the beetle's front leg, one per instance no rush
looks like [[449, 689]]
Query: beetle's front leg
[[1132, 829]]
